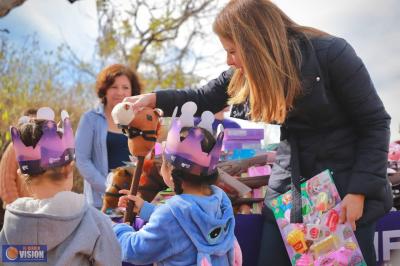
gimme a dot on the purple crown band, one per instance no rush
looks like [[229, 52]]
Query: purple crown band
[[52, 150], [186, 165], [187, 154]]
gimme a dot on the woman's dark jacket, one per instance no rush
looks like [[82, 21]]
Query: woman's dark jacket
[[339, 120]]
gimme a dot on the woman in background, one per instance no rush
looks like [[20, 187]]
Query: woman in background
[[100, 144]]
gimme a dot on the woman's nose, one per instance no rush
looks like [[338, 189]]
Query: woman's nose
[[229, 60]]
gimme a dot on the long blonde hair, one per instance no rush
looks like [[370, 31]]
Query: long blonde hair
[[264, 37]]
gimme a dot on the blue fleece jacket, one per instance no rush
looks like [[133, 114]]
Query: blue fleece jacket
[[184, 231]]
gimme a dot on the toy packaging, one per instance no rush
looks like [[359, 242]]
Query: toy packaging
[[241, 143], [320, 240], [244, 133], [230, 145]]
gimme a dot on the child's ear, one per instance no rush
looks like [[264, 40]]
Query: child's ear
[[68, 168]]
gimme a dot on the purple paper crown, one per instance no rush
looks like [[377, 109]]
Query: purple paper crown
[[187, 154], [52, 150]]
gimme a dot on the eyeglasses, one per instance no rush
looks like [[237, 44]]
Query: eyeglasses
[[132, 132]]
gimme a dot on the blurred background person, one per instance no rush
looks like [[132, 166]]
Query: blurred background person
[[100, 144], [11, 186]]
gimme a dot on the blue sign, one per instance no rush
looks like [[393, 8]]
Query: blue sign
[[387, 239], [24, 253]]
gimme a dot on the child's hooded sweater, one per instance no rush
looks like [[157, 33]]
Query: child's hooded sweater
[[74, 233], [187, 230]]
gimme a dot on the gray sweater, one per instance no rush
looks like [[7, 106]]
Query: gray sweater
[[75, 233]]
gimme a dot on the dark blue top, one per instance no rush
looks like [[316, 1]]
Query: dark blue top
[[117, 149]]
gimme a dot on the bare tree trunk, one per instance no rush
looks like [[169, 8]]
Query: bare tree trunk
[[7, 5]]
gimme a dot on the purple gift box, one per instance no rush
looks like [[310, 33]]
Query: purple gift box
[[259, 170], [229, 145], [243, 133]]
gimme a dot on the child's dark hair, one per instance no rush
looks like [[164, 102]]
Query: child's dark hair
[[30, 112], [30, 134], [179, 175]]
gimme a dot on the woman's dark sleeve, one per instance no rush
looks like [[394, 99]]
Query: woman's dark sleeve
[[353, 86], [212, 96]]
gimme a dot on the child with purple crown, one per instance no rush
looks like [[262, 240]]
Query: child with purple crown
[[195, 227], [72, 232]]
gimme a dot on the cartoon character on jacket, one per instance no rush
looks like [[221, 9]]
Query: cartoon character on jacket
[[195, 227]]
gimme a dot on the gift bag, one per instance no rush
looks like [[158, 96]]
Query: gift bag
[[320, 239]]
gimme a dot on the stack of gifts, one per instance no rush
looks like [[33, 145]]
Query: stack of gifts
[[245, 160], [320, 239], [241, 143], [244, 169]]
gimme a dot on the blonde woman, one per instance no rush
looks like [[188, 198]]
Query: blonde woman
[[319, 90]]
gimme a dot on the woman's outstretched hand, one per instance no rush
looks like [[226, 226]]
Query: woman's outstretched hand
[[123, 200], [352, 209], [143, 100]]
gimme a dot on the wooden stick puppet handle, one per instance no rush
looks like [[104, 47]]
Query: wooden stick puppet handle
[[129, 214]]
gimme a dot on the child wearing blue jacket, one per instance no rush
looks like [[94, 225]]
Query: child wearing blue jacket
[[195, 227]]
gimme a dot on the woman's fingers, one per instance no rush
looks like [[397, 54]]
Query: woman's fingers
[[351, 209], [350, 217], [143, 100], [131, 99], [343, 212]]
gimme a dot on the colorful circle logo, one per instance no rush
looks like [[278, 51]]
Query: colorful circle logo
[[12, 253]]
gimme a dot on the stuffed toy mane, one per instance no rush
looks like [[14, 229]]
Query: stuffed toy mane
[[151, 183], [121, 179]]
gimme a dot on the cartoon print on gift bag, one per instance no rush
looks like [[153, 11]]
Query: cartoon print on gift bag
[[320, 239]]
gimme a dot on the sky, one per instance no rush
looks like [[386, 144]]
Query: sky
[[371, 27]]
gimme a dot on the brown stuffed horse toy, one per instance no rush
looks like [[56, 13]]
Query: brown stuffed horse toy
[[151, 183], [141, 126]]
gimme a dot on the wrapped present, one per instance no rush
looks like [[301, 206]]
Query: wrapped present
[[230, 145], [320, 239], [259, 170], [243, 133]]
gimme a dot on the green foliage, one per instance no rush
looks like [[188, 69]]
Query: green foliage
[[31, 78], [174, 78], [155, 37]]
